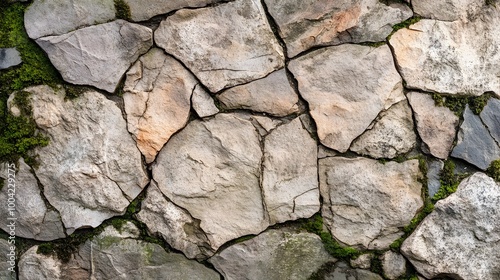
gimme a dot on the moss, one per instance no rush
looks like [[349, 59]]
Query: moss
[[2, 183], [373, 44], [404, 24], [118, 224], [449, 181], [74, 91], [45, 249], [457, 104], [428, 208], [376, 263], [494, 170], [63, 249], [244, 238], [122, 10], [477, 103]]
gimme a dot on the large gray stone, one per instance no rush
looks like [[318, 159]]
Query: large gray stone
[[145, 9], [272, 94], [91, 169], [97, 55], [490, 115], [347, 87], [366, 203], [460, 238], [305, 24], [474, 142], [57, 17], [223, 46], [9, 57], [157, 100], [274, 254], [449, 10]]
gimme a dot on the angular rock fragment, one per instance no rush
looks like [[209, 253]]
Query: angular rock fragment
[[9, 57], [364, 261], [203, 103], [393, 264], [223, 46], [366, 203], [143, 10], [434, 169], [347, 87], [490, 115]]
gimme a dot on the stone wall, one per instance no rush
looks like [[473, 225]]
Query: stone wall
[[250, 139]]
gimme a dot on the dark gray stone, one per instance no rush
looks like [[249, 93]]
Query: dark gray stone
[[491, 117], [433, 171], [9, 57]]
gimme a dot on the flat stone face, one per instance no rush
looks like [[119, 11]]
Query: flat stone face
[[449, 10], [56, 17], [141, 10], [274, 254], [436, 125], [344, 105], [203, 103], [390, 135], [91, 169], [490, 115], [290, 179], [97, 55], [5, 260], [474, 142], [465, 224], [305, 24], [366, 203], [157, 100], [9, 57], [272, 94], [449, 57], [393, 264], [223, 46]]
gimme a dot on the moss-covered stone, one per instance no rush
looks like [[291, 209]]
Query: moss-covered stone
[[449, 181], [494, 170]]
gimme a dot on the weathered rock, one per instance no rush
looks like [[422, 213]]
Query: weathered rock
[[366, 203], [273, 95], [57, 17], [344, 105], [9, 57], [391, 134], [324, 152], [266, 123], [33, 266], [434, 169], [225, 45], [91, 168], [157, 100], [7, 259], [460, 237], [274, 254], [97, 55], [393, 264], [174, 224], [290, 179], [364, 261], [143, 10], [448, 57], [450, 10], [343, 272], [474, 142], [219, 184], [33, 219], [490, 115], [203, 103], [305, 24], [436, 125]]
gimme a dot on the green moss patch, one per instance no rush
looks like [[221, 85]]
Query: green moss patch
[[494, 170], [457, 104], [122, 10], [449, 181]]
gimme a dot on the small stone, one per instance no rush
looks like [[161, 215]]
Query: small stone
[[203, 103], [9, 57], [267, 123], [490, 115], [393, 264], [364, 261], [141, 10], [434, 169]]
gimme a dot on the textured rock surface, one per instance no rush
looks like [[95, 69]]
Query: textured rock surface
[[448, 57], [365, 203], [33, 219], [219, 185], [224, 46], [44, 18], [391, 134], [436, 125], [474, 142], [343, 272], [157, 100], [364, 261], [460, 237], [393, 264], [272, 94], [5, 260], [305, 24], [142, 10], [40, 267], [91, 168], [97, 55], [9, 57], [450, 10], [344, 105], [290, 179], [491, 117], [274, 254], [203, 103], [434, 169]]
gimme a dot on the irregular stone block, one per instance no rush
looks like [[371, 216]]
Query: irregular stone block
[[9, 57]]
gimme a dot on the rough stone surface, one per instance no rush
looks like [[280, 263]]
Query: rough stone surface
[[393, 264], [434, 168], [203, 103], [97, 55], [273, 95], [37, 266], [305, 24], [344, 105], [9, 57], [390, 135], [91, 168], [219, 184], [474, 142], [436, 125], [290, 179], [174, 224], [141, 10], [5, 260], [449, 10], [342, 271], [364, 261], [366, 203], [57, 17], [224, 46], [274, 254], [157, 100], [33, 219], [460, 237], [491, 117], [448, 57]]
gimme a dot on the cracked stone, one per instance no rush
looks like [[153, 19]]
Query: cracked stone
[[225, 45], [157, 100], [490, 115], [97, 55], [141, 10], [9, 57], [203, 103]]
